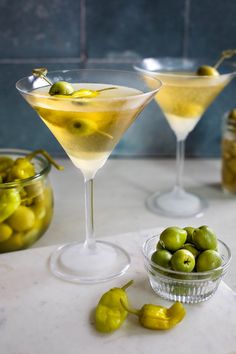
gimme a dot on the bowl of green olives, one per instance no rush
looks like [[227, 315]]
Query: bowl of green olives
[[26, 198], [186, 264]]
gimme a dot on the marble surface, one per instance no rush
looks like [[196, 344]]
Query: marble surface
[[42, 314], [120, 190]]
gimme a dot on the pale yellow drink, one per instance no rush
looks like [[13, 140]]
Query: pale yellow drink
[[184, 98], [88, 129]]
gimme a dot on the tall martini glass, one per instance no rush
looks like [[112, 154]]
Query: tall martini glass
[[183, 99], [88, 126]]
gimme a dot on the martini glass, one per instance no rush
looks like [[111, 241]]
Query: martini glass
[[183, 99], [88, 127]]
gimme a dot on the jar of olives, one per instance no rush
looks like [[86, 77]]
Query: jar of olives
[[26, 199], [228, 148]]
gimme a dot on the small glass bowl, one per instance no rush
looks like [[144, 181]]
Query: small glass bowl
[[33, 196], [180, 286]]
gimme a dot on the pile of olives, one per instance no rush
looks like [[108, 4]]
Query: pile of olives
[[26, 203], [187, 249]]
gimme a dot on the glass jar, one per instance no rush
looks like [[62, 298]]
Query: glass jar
[[228, 148], [26, 205]]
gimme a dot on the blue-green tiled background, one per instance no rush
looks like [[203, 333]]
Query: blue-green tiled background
[[111, 34]]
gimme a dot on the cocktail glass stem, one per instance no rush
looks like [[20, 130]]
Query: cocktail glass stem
[[90, 241], [180, 150], [177, 202]]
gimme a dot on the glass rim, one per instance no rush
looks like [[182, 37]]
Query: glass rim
[[138, 67], [44, 171], [190, 274], [125, 72]]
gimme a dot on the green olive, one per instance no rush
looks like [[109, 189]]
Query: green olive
[[61, 88], [173, 238], [82, 127], [162, 258], [22, 219], [186, 109], [208, 260], [191, 248], [159, 246], [204, 238], [5, 232], [183, 261], [206, 70], [190, 231]]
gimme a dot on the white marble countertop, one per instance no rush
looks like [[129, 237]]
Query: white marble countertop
[[120, 191], [42, 314]]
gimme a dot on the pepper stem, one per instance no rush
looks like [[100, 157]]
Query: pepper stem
[[47, 156], [124, 287], [133, 311], [107, 88], [226, 54]]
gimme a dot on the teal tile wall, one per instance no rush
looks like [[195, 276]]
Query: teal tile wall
[[111, 34], [135, 28], [39, 29]]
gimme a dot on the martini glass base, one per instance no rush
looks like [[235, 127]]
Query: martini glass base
[[79, 264], [176, 203]]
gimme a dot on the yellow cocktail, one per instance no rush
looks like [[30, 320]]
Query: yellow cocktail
[[184, 97], [88, 111]]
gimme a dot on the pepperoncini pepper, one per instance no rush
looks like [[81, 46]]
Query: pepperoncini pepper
[[110, 313], [9, 201], [5, 163], [23, 168], [158, 317], [14, 170]]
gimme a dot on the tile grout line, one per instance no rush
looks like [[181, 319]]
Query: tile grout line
[[83, 32], [187, 8], [70, 60]]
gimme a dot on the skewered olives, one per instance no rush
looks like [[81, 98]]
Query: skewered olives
[[61, 88], [207, 70]]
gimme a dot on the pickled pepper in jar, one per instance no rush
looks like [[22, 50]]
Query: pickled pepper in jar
[[228, 149]]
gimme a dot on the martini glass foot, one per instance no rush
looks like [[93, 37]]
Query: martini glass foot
[[80, 264], [176, 203]]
